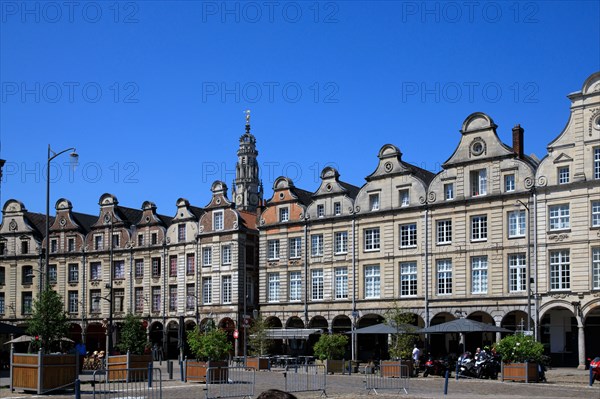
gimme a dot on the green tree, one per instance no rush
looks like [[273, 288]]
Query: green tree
[[519, 348], [211, 344], [330, 346], [404, 341], [49, 320], [133, 335], [259, 340]]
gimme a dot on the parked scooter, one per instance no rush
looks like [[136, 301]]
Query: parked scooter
[[466, 365], [435, 367], [487, 365]]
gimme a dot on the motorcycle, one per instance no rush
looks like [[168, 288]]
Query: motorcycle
[[435, 367], [487, 365], [466, 366], [595, 366]]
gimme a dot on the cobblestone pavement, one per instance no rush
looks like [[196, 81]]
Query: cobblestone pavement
[[563, 383]]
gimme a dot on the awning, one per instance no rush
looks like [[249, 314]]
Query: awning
[[291, 333]]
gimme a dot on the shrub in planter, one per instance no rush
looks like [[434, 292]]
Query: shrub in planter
[[330, 350], [520, 356], [211, 347]]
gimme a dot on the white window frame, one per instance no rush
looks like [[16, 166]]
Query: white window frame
[[273, 290], [408, 235], [73, 301], [139, 268], [316, 245], [181, 232], [444, 231], [404, 197], [295, 247], [479, 275], [337, 208], [119, 269], [595, 213], [73, 269], [479, 228], [596, 268], [340, 242], [138, 295], [218, 220], [517, 273], [206, 290], [597, 163], [372, 282], [320, 210], [449, 191], [479, 182], [317, 284], [372, 239], [444, 276], [95, 271], [509, 183], [559, 217], [374, 202], [156, 300], [206, 256], [563, 174], [341, 282], [273, 248], [295, 286], [517, 223], [408, 279], [226, 289], [284, 214], [560, 270], [226, 254]]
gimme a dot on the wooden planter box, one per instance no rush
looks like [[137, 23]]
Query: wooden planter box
[[195, 371], [332, 366], [119, 367], [525, 372], [42, 373], [396, 368], [258, 363]]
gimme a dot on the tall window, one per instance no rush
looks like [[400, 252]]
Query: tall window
[[116, 242], [95, 271], [509, 183], [273, 293], [24, 247], [98, 243], [372, 282], [190, 297], [479, 228], [140, 240], [139, 299], [408, 235], [340, 242], [374, 202], [596, 268], [119, 269], [596, 214], [53, 245], [190, 264], [206, 290], [404, 197], [181, 232], [516, 224], [320, 210], [448, 191], [73, 301], [479, 182], [444, 231], [341, 283], [27, 302], [563, 175], [295, 247], [71, 244], [517, 272], [273, 249], [119, 299], [317, 284], [479, 274], [2, 276], [173, 298], [226, 254], [73, 272], [560, 270], [408, 279], [559, 217], [226, 289], [53, 275], [156, 302], [206, 256], [27, 275], [295, 286], [155, 267], [95, 296], [218, 220], [316, 248], [444, 276], [337, 208], [284, 214], [139, 268], [154, 238], [597, 163], [372, 239], [2, 303], [173, 266]]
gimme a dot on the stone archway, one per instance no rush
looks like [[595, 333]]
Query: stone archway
[[442, 344], [515, 321], [341, 324], [95, 337], [476, 340], [371, 346], [592, 332], [294, 322], [559, 333], [172, 349]]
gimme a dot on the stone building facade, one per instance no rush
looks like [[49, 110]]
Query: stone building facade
[[496, 236]]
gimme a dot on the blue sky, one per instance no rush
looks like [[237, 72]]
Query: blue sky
[[152, 93]]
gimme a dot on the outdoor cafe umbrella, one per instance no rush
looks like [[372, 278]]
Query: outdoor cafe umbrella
[[383, 328], [29, 338], [10, 329], [462, 326]]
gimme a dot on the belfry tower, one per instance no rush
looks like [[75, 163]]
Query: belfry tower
[[247, 189]]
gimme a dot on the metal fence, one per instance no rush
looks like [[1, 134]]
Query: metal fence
[[230, 382], [306, 378], [140, 383], [391, 376]]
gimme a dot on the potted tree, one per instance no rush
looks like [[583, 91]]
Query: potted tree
[[329, 350], [133, 344], [260, 344], [49, 324], [402, 344], [521, 354], [211, 349]]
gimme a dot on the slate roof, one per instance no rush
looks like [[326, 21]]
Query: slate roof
[[38, 222], [304, 196], [84, 220], [351, 190]]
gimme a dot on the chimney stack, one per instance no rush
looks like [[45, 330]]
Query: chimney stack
[[518, 140]]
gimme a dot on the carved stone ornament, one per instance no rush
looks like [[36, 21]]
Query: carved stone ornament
[[529, 182], [63, 221], [558, 237], [235, 224], [388, 167], [328, 187], [118, 282], [95, 283], [261, 221], [559, 296], [201, 229], [542, 181], [431, 196], [218, 201], [106, 218], [12, 226], [594, 121], [422, 200], [357, 208]]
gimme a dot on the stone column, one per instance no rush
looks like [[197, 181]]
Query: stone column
[[581, 344]]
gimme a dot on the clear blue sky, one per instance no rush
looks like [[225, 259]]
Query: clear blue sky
[[152, 93]]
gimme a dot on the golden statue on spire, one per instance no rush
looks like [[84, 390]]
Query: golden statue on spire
[[247, 112]]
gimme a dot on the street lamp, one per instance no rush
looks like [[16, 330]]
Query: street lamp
[[51, 155], [528, 277]]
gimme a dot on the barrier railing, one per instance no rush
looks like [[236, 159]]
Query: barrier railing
[[230, 382], [141, 383], [396, 376], [306, 378]]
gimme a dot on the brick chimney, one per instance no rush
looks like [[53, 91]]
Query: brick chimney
[[518, 140]]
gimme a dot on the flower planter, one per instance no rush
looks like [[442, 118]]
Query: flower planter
[[196, 371], [332, 365], [258, 363], [119, 367], [42, 373], [396, 368], [525, 372]]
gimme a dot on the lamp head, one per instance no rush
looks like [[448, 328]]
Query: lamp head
[[74, 156]]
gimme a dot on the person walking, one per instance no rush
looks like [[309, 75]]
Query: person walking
[[416, 356]]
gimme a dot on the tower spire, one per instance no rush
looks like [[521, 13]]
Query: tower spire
[[247, 112], [247, 191]]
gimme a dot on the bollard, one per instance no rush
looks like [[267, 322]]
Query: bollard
[[181, 370], [446, 382], [457, 366], [170, 368], [77, 389], [591, 375], [150, 365]]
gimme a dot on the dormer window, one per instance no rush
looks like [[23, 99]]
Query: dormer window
[[53, 245], [374, 202], [71, 244], [337, 208], [320, 210], [218, 220], [181, 232], [404, 198], [115, 241], [478, 182], [284, 214], [563, 175], [98, 243], [24, 247], [448, 191]]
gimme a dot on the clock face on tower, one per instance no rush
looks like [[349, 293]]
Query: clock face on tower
[[238, 199], [253, 199]]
